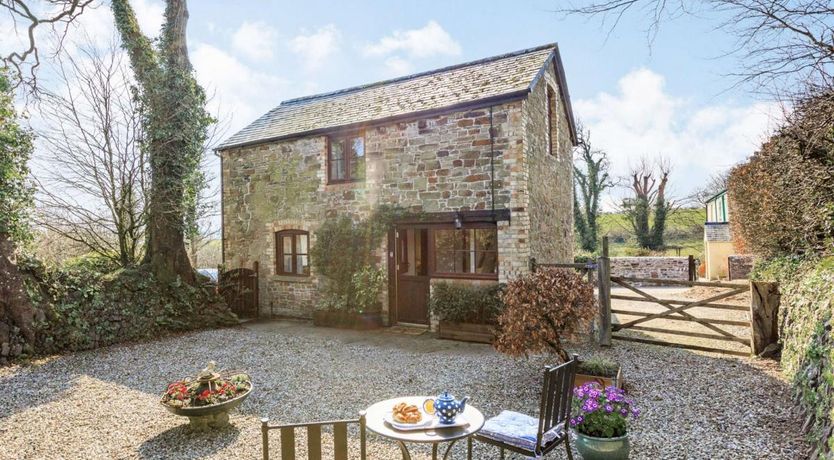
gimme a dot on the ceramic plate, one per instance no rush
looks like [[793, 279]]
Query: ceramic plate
[[422, 424]]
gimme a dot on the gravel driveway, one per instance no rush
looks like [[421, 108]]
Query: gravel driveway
[[104, 403]]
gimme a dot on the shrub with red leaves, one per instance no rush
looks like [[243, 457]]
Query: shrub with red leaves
[[542, 310]]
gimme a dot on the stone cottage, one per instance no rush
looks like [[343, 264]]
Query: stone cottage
[[480, 150]]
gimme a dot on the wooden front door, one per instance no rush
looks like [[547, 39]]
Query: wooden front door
[[412, 297]]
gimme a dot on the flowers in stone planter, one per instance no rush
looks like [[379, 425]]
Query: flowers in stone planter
[[198, 392], [602, 413]]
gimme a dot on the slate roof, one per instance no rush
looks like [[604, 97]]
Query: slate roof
[[494, 77]]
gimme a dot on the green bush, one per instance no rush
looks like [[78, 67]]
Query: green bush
[[807, 306], [368, 284], [598, 366], [345, 248], [462, 303]]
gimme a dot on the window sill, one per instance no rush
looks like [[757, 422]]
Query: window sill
[[346, 185], [292, 279]]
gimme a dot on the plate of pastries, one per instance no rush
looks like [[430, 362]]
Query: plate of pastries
[[407, 416]]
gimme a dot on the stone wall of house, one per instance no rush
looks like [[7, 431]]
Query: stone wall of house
[[549, 169], [667, 268], [435, 164]]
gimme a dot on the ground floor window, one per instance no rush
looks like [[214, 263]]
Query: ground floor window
[[466, 251], [291, 250]]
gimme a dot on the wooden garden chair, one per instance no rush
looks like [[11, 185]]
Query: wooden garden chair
[[529, 436], [340, 438]]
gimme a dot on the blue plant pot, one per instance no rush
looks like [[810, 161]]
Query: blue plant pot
[[592, 448]]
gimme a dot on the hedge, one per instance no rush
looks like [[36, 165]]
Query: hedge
[[807, 305], [463, 303]]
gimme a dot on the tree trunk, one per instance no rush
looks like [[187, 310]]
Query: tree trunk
[[16, 309], [174, 124]]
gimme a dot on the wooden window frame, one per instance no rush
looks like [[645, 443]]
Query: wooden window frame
[[279, 252], [550, 97], [452, 275], [343, 138]]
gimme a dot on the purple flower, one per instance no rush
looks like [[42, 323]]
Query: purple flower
[[580, 419], [635, 412], [624, 412], [609, 408], [573, 422]]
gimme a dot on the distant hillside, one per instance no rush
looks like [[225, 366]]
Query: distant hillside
[[684, 228]]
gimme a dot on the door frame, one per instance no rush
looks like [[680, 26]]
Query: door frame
[[393, 274]]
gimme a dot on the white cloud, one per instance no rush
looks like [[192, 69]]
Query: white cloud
[[397, 66], [315, 48], [255, 40], [643, 119], [430, 40], [238, 93]]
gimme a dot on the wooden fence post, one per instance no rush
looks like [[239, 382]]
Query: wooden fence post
[[604, 273], [693, 270], [764, 315]]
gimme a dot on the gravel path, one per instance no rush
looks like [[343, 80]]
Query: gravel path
[[104, 403]]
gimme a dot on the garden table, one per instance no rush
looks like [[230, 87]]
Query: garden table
[[375, 421]]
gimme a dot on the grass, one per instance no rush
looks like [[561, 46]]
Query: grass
[[684, 228]]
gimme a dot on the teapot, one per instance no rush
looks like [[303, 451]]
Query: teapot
[[446, 407]]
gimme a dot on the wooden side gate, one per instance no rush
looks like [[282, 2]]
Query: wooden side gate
[[675, 310], [239, 287]]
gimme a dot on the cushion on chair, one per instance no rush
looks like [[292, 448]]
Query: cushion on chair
[[517, 430]]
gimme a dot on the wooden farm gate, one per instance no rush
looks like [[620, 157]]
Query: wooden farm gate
[[676, 311], [239, 286]]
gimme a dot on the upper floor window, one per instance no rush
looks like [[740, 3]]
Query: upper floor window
[[292, 253], [346, 158], [552, 125]]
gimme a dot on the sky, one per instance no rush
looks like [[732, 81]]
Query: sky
[[640, 95]]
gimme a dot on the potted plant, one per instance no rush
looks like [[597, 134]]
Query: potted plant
[[601, 370], [207, 398], [600, 419], [465, 312]]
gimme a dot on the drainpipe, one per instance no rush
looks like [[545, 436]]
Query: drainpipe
[[222, 215], [492, 163]]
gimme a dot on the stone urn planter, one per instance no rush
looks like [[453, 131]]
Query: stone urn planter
[[208, 398], [592, 448]]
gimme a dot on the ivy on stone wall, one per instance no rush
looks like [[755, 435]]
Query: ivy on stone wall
[[807, 306]]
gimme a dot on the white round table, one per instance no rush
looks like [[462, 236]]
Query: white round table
[[375, 421]]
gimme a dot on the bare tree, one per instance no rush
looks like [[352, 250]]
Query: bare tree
[[648, 206], [591, 180], [96, 172], [781, 44], [31, 16], [715, 185]]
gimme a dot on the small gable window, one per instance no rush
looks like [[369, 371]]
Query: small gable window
[[291, 250], [346, 158], [552, 122]]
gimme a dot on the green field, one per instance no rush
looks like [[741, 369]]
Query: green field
[[684, 228]]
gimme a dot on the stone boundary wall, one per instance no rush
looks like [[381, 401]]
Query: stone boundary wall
[[667, 268], [739, 267]]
